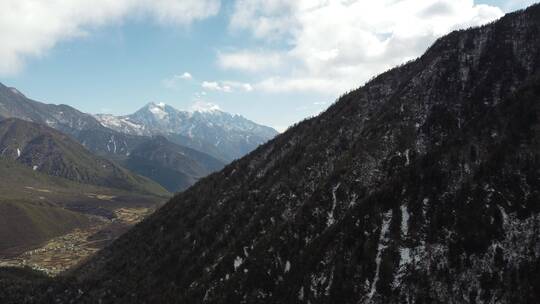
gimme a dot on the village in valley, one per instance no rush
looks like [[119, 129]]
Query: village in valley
[[63, 252]]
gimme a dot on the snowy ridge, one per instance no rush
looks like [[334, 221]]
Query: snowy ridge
[[208, 128]]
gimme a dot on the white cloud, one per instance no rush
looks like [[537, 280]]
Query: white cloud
[[273, 17], [288, 84], [214, 86], [203, 106], [246, 87], [31, 27], [199, 95], [226, 86], [336, 45], [186, 76], [173, 81], [251, 61]]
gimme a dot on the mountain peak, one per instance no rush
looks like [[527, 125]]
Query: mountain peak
[[156, 104], [159, 110], [205, 126]]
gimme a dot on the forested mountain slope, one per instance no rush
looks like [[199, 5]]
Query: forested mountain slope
[[172, 166], [420, 187]]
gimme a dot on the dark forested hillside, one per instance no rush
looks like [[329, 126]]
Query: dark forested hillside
[[420, 187], [172, 166]]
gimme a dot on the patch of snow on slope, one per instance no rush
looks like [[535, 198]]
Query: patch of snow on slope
[[109, 120], [158, 112], [113, 142], [331, 220], [404, 220], [404, 257], [404, 252], [301, 294], [238, 262], [425, 205], [383, 243], [119, 123], [407, 157], [130, 124]]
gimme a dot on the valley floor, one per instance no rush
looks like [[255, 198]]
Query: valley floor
[[61, 253]]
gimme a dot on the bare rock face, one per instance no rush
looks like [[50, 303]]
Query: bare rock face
[[423, 186]]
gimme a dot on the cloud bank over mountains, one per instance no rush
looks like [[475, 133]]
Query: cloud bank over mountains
[[326, 46], [29, 28], [337, 45]]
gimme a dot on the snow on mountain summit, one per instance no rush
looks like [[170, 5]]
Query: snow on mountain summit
[[204, 125], [158, 110]]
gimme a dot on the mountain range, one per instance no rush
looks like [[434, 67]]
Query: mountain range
[[218, 137], [220, 134], [422, 186], [49, 151], [81, 126], [60, 167]]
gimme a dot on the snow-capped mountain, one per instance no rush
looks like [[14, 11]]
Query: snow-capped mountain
[[205, 128], [83, 127], [13, 103]]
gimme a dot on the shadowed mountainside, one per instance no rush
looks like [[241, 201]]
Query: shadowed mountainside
[[172, 166], [420, 187]]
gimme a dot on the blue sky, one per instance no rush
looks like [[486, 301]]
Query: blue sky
[[272, 61]]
